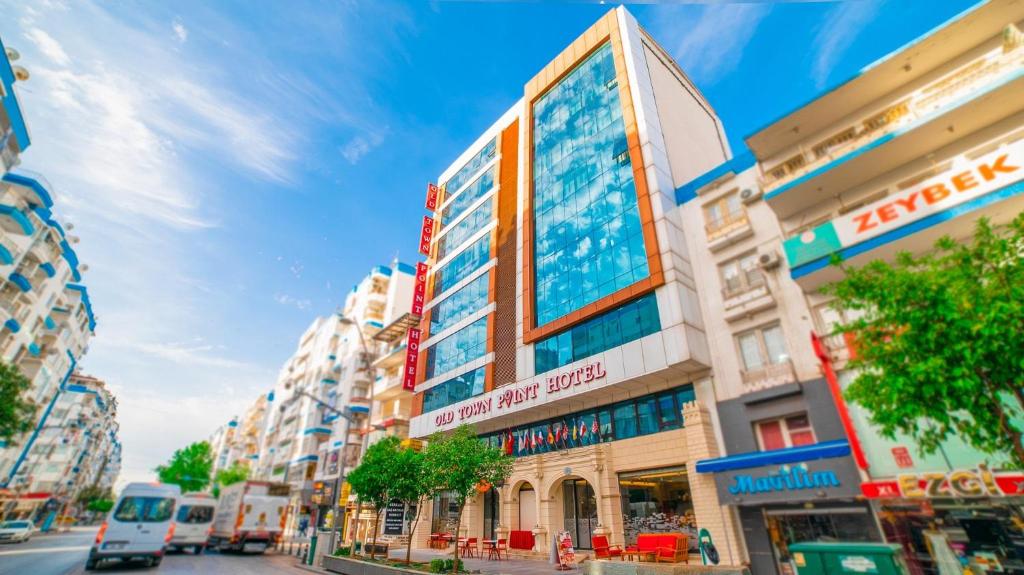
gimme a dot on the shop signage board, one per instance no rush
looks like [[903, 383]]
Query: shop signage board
[[566, 552], [394, 518], [965, 181], [835, 477], [419, 293], [412, 358], [426, 235], [514, 397], [959, 483]]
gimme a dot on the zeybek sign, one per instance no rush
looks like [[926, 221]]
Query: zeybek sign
[[965, 181], [511, 396]]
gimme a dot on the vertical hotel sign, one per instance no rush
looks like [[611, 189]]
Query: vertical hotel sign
[[432, 193], [412, 357], [426, 234], [419, 294]]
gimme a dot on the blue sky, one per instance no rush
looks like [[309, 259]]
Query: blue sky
[[232, 172]]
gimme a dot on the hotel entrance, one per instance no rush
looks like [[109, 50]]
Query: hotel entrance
[[580, 507]]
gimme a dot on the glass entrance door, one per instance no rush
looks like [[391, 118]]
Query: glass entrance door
[[580, 506], [490, 513]]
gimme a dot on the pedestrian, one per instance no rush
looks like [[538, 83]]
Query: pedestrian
[[303, 526]]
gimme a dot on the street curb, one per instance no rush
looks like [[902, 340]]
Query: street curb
[[312, 569]]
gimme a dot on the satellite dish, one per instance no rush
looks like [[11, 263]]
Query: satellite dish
[[20, 73], [13, 54]]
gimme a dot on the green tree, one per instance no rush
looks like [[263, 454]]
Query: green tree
[[189, 467], [16, 411], [371, 480], [411, 485], [100, 505], [460, 463], [224, 477], [939, 340]]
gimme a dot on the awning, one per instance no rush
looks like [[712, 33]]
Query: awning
[[15, 221], [823, 450]]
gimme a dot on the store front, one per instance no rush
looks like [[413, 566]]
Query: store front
[[948, 522], [793, 495], [657, 501]]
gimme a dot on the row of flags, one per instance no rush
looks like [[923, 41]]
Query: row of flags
[[563, 434]]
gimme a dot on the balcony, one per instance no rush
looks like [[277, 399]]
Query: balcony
[[976, 94], [8, 251], [388, 387], [731, 228], [768, 376], [744, 301]]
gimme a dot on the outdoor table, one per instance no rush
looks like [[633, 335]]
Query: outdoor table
[[634, 554], [492, 546]]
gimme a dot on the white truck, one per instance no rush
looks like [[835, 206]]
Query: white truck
[[250, 516]]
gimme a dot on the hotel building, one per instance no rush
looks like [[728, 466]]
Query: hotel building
[[917, 146], [562, 315], [304, 443]]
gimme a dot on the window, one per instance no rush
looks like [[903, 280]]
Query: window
[[657, 501], [468, 197], [462, 265], [741, 274], [792, 431], [144, 509], [454, 390], [723, 211], [762, 347], [471, 167], [457, 349], [461, 231], [621, 325], [588, 239], [195, 514], [459, 305]]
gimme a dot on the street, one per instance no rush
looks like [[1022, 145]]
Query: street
[[65, 554]]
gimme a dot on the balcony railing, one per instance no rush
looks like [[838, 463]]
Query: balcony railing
[[915, 106], [769, 375], [726, 224], [732, 296]]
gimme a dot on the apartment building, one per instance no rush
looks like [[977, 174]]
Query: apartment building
[[78, 447], [918, 145], [562, 315], [238, 441], [306, 442], [223, 446], [14, 137]]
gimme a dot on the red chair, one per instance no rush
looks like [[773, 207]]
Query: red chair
[[494, 551], [469, 547], [602, 550]]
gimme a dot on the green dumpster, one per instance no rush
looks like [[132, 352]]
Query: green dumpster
[[848, 559]]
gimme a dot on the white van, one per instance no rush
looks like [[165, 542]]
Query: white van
[[192, 522], [250, 516], [140, 525]]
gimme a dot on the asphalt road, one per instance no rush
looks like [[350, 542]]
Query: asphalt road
[[65, 554]]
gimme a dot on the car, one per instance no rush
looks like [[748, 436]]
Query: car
[[193, 522], [16, 531], [139, 527]]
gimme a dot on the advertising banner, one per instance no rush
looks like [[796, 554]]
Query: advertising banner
[[965, 181], [394, 518]]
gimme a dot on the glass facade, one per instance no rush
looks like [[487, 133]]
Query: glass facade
[[462, 346], [645, 415], [459, 305], [471, 167], [471, 194], [611, 329], [461, 231], [588, 240], [462, 265], [454, 390], [657, 501]]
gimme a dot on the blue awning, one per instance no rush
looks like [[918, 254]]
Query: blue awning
[[6, 257], [20, 281], [13, 325], [49, 323], [33, 349], [329, 381], [42, 195], [48, 268], [359, 408], [87, 303], [21, 221], [823, 450]]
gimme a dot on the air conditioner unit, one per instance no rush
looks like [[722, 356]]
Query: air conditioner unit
[[750, 195], [769, 260]]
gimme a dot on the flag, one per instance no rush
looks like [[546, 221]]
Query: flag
[[574, 433], [508, 443], [583, 429], [565, 432], [551, 436], [595, 429]]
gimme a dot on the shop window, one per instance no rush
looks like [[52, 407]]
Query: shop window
[[657, 501], [647, 416], [625, 421], [792, 431], [762, 347], [668, 414], [446, 514]]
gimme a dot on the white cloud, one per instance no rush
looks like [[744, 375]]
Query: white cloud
[[837, 33], [708, 41], [301, 304], [180, 31], [359, 146], [50, 47]]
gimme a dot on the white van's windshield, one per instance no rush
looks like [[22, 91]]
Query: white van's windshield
[[144, 509], [195, 514]]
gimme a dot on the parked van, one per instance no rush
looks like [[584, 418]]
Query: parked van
[[250, 516], [193, 521], [140, 525]]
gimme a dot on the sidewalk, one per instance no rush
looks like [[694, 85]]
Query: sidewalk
[[483, 566]]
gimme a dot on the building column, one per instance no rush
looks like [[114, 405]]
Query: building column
[[720, 521]]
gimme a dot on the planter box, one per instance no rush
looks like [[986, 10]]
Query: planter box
[[348, 566]]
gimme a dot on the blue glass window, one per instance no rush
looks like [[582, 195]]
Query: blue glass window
[[459, 305], [454, 237], [472, 193], [623, 324], [454, 390], [471, 167], [455, 350], [588, 241], [462, 265], [622, 420]]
